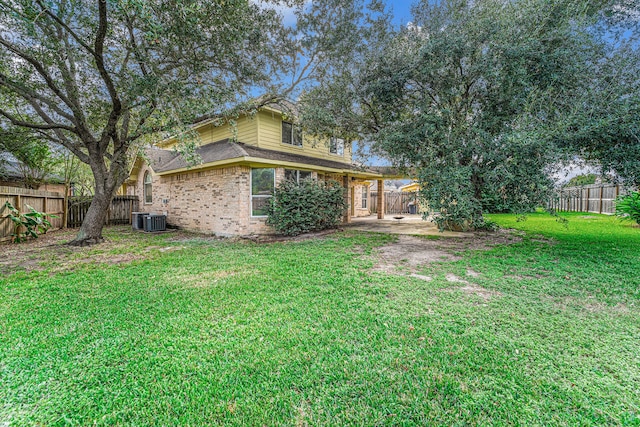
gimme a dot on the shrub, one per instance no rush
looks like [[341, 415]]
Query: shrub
[[298, 208], [628, 207], [580, 180], [32, 222]]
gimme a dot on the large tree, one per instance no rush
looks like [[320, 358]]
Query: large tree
[[461, 96], [99, 77], [601, 124]]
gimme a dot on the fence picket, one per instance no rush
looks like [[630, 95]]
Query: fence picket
[[45, 201], [599, 198], [119, 211], [396, 202]]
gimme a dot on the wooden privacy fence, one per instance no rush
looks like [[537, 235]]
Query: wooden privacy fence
[[596, 198], [119, 212], [396, 202], [43, 201]]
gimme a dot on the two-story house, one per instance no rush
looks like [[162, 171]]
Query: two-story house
[[228, 192]]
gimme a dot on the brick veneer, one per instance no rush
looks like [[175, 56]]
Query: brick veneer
[[214, 201]]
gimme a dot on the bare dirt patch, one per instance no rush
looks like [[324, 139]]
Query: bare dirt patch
[[472, 273], [409, 253], [50, 251], [470, 288]]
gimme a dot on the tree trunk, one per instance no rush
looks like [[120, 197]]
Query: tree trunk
[[90, 232], [107, 183], [478, 183]]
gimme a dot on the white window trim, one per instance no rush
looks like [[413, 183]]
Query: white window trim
[[337, 153], [364, 198], [251, 196], [144, 187], [293, 127]]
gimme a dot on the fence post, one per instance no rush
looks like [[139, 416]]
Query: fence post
[[601, 193], [380, 199], [65, 211]]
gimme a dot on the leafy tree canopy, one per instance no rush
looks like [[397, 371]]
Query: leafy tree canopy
[[472, 94], [35, 160], [579, 180], [101, 77]]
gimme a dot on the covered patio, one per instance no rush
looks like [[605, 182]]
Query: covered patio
[[400, 224], [389, 172]]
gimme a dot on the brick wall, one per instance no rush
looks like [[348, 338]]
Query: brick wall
[[358, 209], [215, 201]]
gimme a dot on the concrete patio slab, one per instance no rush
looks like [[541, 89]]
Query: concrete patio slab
[[401, 224]]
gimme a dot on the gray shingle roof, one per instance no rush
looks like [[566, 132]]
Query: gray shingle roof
[[168, 160]]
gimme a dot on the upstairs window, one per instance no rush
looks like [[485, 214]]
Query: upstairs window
[[263, 184], [147, 187], [336, 146], [291, 134], [296, 175]]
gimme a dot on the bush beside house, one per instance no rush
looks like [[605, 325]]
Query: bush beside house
[[306, 206]]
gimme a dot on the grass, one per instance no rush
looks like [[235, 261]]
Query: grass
[[210, 332]]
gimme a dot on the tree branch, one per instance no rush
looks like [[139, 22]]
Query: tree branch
[[60, 22], [30, 94], [50, 126], [40, 68]]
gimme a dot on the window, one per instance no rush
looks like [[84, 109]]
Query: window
[[364, 197], [296, 175], [262, 186], [147, 187], [336, 146], [291, 134]]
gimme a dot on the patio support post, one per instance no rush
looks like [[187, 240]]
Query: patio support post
[[380, 200], [347, 199]]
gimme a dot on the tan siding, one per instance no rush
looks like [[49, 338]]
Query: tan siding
[[271, 138], [265, 131], [246, 130]]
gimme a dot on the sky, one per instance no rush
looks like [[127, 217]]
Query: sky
[[401, 11]]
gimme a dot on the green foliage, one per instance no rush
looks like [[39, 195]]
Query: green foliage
[[309, 333], [470, 93], [628, 207], [36, 160], [32, 222], [307, 206], [580, 180], [598, 118]]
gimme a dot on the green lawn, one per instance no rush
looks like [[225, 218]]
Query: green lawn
[[213, 332]]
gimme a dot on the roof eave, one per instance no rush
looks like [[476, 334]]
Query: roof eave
[[249, 161]]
